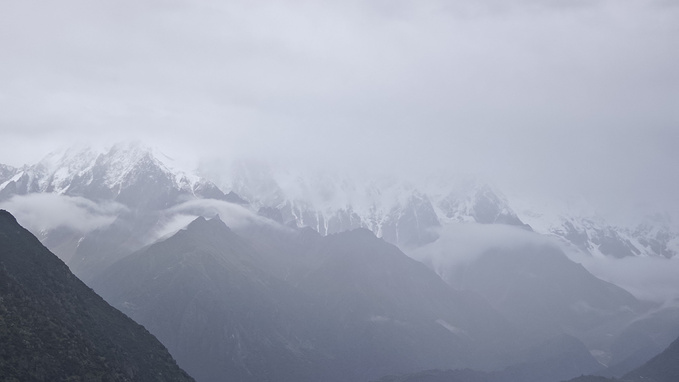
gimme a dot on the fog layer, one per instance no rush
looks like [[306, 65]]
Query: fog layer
[[561, 96]]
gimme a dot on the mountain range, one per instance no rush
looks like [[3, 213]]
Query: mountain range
[[325, 277], [408, 213], [128, 173], [400, 211], [352, 307]]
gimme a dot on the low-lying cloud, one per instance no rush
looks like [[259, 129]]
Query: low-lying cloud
[[648, 278], [170, 226], [233, 215], [43, 212], [460, 243]]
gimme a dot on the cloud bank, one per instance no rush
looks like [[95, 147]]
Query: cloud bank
[[43, 212], [557, 95], [647, 278], [233, 215], [461, 243]]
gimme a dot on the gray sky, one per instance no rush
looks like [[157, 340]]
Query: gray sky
[[555, 95]]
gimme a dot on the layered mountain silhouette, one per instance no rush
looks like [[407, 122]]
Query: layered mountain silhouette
[[202, 293], [54, 328], [315, 286], [543, 292], [142, 184], [642, 340], [349, 307], [662, 368]]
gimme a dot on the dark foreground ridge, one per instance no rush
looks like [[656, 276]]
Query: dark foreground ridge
[[54, 328]]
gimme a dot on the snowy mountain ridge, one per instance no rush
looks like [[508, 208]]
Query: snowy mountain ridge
[[402, 212], [390, 206], [127, 172], [578, 224]]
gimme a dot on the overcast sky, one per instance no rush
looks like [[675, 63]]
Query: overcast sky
[[572, 95]]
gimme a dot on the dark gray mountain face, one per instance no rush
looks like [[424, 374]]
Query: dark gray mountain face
[[54, 328], [348, 306], [662, 368], [642, 340], [394, 314], [202, 293], [545, 294]]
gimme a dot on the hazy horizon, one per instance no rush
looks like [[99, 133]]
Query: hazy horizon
[[554, 98]]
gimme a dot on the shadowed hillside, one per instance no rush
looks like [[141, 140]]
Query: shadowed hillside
[[54, 328]]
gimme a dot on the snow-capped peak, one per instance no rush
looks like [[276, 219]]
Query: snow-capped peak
[[129, 172], [576, 222], [56, 171]]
